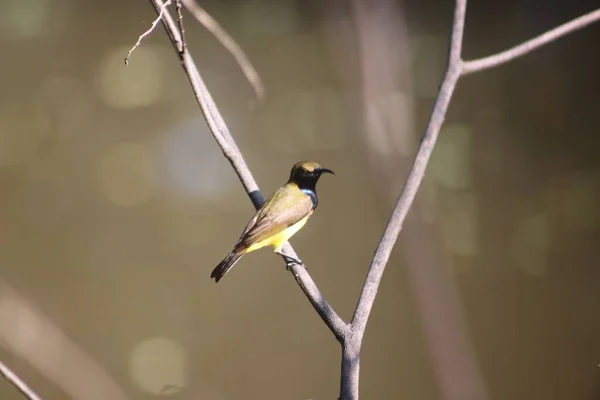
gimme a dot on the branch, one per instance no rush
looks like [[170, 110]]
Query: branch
[[351, 359], [17, 382], [182, 43], [148, 32], [407, 196], [227, 41], [456, 68], [224, 139], [495, 60]]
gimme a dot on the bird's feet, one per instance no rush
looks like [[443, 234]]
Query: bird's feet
[[290, 261]]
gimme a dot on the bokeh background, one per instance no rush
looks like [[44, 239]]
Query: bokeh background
[[116, 203]]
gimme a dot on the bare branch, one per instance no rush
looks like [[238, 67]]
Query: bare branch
[[351, 359], [17, 382], [149, 31], [221, 133], [229, 43], [495, 60], [407, 196], [182, 43]]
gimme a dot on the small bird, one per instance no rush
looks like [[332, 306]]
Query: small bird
[[279, 218]]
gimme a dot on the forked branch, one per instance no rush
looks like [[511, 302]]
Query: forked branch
[[351, 335]]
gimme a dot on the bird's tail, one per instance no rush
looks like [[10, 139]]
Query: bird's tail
[[225, 265]]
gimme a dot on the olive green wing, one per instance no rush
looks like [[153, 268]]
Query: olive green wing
[[284, 208]]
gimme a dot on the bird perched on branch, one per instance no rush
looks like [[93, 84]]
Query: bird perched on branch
[[279, 218]]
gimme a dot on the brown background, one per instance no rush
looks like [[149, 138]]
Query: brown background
[[115, 202]]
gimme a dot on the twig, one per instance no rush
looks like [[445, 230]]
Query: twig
[[149, 31], [229, 43], [182, 42], [495, 60], [223, 137], [17, 382]]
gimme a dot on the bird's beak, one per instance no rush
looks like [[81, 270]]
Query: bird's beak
[[327, 170]]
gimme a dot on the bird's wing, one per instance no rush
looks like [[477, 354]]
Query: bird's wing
[[284, 208]]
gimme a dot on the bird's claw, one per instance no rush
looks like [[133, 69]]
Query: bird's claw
[[291, 261]]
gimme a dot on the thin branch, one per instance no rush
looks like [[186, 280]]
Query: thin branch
[[183, 42], [221, 133], [17, 382], [495, 60], [149, 31], [349, 389], [229, 43], [407, 196]]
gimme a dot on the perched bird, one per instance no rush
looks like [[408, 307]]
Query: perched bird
[[279, 218]]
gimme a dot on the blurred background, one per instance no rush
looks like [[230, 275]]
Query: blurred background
[[116, 203]]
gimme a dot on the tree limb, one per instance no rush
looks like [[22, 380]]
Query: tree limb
[[17, 382], [229, 43], [407, 196], [351, 361], [221, 133], [495, 60]]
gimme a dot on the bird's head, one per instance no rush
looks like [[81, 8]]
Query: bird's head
[[307, 173]]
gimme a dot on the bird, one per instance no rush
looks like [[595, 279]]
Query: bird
[[283, 214]]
